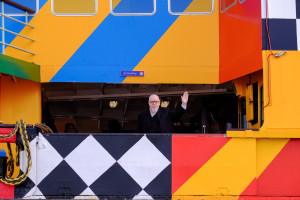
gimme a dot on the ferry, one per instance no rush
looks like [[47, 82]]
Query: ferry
[[91, 65]]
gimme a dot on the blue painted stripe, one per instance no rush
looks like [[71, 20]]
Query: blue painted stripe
[[118, 44], [179, 5], [135, 6]]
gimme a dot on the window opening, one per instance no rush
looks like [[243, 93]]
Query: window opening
[[74, 7], [226, 4], [242, 1], [242, 115], [132, 7], [261, 106], [190, 7], [87, 106]]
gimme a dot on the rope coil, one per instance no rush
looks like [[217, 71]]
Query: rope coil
[[21, 127]]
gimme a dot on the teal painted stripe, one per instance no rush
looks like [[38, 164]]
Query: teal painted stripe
[[19, 68]]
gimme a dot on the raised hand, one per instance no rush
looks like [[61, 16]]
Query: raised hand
[[185, 98]]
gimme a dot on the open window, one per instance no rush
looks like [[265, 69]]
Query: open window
[[132, 7], [74, 7], [113, 108], [190, 7]]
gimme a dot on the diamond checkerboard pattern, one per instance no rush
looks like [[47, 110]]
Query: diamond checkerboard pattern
[[284, 24], [133, 166]]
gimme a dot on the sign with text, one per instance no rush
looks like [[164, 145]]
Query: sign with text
[[132, 73]]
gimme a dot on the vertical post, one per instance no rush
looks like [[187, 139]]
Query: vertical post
[[3, 33], [26, 17]]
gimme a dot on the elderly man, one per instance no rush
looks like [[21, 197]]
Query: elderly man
[[160, 120]]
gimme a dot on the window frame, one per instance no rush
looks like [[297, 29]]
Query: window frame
[[74, 14], [132, 14], [242, 1], [191, 13], [233, 4], [37, 9]]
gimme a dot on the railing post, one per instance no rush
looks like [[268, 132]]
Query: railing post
[[26, 17], [3, 33], [23, 8]]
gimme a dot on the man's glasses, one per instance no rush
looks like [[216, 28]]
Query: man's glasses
[[154, 102]]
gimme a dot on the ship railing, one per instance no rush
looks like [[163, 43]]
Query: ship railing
[[3, 29]]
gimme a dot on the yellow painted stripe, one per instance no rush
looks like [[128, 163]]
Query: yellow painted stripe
[[200, 6], [267, 150], [115, 3], [284, 76], [69, 33], [228, 172], [187, 53], [74, 6], [205, 197]]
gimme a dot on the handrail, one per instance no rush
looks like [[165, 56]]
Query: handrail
[[19, 6], [23, 36], [16, 20], [12, 46], [3, 15]]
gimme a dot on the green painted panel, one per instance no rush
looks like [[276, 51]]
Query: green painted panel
[[19, 68]]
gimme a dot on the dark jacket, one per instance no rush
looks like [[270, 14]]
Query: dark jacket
[[164, 119]]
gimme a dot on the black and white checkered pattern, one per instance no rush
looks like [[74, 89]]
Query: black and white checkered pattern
[[99, 166], [284, 24]]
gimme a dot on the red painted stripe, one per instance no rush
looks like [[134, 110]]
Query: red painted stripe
[[6, 191], [268, 198], [282, 176], [189, 154], [251, 189], [7, 131]]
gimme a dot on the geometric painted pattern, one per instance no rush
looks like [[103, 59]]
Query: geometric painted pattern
[[134, 166], [282, 15], [282, 177], [90, 167], [193, 152]]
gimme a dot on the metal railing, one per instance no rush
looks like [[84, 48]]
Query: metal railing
[[3, 30]]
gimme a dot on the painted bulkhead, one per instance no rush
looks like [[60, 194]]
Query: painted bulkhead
[[167, 48], [258, 163]]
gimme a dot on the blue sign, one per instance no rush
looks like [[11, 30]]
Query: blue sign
[[132, 73]]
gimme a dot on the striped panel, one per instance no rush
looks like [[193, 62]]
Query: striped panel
[[187, 53], [266, 151], [189, 154], [282, 176], [67, 35], [119, 43], [228, 172]]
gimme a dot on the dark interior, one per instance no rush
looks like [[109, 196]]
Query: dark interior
[[211, 108]]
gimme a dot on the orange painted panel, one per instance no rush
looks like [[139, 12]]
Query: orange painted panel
[[240, 40], [20, 99]]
